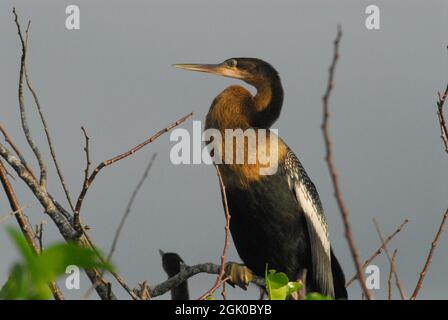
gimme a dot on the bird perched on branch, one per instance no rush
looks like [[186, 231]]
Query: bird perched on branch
[[277, 221], [172, 263]]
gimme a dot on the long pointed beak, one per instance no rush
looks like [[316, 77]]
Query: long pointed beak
[[218, 69], [209, 68]]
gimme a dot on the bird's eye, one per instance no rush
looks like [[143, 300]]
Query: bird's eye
[[232, 63]]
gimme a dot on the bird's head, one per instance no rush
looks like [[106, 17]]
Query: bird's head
[[251, 70]]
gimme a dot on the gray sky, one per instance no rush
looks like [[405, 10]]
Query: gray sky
[[113, 76]]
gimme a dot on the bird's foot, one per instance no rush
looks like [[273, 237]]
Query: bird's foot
[[239, 275]]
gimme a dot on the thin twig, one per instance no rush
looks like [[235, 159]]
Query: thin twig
[[78, 225], [129, 206], [38, 233], [87, 153], [76, 217], [125, 215], [49, 140], [389, 257], [429, 258], [46, 130], [220, 277], [378, 251], [13, 213], [142, 291], [224, 288], [444, 136], [391, 272], [25, 127], [24, 224], [333, 173], [441, 116], [86, 240], [121, 156]]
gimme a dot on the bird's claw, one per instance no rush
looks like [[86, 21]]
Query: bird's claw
[[239, 275]]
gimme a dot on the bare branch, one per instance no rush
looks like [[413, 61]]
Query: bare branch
[[333, 173], [129, 206], [378, 251], [49, 140], [142, 291], [444, 135], [62, 219], [123, 220], [46, 129], [88, 161], [77, 224], [39, 192], [224, 288], [12, 214], [119, 157], [24, 224], [441, 116], [397, 279], [53, 209], [391, 272], [190, 271], [429, 258], [30, 171], [38, 234], [25, 127], [18, 210], [14, 146], [88, 182], [220, 278]]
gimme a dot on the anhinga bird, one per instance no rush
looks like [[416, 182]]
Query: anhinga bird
[[277, 221]]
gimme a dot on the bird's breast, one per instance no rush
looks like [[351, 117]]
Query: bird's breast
[[250, 156]]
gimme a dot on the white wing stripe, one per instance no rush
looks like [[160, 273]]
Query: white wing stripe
[[312, 213]]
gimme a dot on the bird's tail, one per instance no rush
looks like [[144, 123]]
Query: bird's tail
[[340, 292]]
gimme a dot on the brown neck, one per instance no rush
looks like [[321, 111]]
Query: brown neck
[[268, 102], [229, 109]]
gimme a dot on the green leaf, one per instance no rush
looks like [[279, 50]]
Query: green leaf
[[16, 287], [54, 260], [316, 296], [22, 245], [30, 277], [277, 285], [294, 286]]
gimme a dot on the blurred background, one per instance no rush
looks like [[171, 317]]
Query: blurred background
[[113, 76]]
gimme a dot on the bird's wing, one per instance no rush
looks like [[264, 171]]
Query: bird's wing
[[308, 200]]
